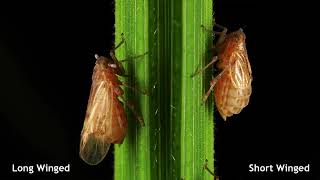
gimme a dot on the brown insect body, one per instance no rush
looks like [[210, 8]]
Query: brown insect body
[[233, 88], [105, 122]]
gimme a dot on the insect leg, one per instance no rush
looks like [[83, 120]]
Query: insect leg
[[113, 50], [206, 95], [219, 26], [121, 42], [206, 167], [113, 56], [213, 82], [134, 111], [133, 57], [119, 63], [222, 35], [214, 59], [206, 29], [135, 89]]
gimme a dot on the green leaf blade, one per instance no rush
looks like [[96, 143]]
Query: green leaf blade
[[178, 135]]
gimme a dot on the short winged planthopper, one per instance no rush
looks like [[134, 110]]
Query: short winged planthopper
[[232, 86], [105, 121]]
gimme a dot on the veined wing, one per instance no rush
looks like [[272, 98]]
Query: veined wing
[[95, 140], [240, 72]]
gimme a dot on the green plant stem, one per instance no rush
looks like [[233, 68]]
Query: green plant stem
[[178, 135]]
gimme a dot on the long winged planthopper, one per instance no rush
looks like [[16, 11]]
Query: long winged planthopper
[[105, 121]]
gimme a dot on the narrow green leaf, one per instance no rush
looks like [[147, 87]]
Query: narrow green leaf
[[178, 135]]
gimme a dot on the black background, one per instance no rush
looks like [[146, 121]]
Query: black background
[[46, 61]]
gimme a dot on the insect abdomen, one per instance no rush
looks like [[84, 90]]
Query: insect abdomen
[[230, 99]]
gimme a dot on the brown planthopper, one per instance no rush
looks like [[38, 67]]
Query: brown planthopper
[[232, 86], [105, 122]]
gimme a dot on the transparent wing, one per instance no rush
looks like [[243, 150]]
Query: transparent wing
[[95, 141], [93, 150]]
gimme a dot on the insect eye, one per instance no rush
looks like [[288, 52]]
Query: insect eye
[[112, 65]]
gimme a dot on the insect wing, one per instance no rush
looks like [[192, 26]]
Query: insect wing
[[94, 149], [241, 70], [95, 141]]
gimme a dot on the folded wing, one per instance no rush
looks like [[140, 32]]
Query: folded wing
[[95, 140]]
